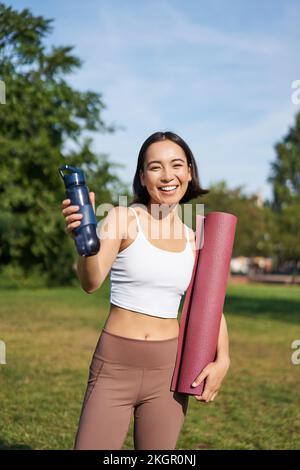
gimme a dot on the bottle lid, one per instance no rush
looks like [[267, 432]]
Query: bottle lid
[[74, 175]]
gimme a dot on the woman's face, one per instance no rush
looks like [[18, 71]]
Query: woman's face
[[165, 166]]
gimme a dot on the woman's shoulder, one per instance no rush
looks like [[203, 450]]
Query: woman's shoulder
[[127, 217], [122, 211]]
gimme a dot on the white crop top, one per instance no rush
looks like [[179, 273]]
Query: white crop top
[[150, 280]]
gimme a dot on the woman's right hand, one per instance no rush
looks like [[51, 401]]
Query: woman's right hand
[[71, 215]]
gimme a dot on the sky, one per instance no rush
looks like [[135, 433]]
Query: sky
[[219, 73]]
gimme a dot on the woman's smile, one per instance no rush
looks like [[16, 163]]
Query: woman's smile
[[168, 190]]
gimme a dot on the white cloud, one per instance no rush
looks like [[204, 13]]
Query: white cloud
[[226, 93]]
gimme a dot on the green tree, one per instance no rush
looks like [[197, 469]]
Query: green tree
[[285, 180], [44, 124], [255, 225], [285, 170], [287, 235]]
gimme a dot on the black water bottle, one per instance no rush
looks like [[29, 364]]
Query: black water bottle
[[86, 238]]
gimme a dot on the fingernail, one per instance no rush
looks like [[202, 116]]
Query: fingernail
[[194, 384]]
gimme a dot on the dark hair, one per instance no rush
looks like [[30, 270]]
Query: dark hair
[[194, 189]]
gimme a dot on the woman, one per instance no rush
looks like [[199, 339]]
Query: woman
[[132, 366]]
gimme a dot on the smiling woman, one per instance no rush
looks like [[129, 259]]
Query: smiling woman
[[132, 366], [165, 159], [166, 175]]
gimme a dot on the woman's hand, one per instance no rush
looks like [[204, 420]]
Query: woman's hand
[[71, 216], [214, 373]]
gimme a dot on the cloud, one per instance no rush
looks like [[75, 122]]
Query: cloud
[[240, 155], [223, 84], [159, 24]]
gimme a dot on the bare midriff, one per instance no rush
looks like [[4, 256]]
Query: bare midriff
[[136, 325]]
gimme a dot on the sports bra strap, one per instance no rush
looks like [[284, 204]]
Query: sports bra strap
[[187, 234], [140, 228], [136, 216]]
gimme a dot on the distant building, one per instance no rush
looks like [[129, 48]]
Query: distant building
[[262, 264], [240, 265], [244, 264]]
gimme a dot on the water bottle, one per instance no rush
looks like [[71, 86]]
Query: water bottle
[[86, 239]]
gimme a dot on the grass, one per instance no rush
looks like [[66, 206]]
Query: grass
[[50, 336]]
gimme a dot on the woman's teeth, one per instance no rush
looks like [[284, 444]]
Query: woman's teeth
[[168, 189]]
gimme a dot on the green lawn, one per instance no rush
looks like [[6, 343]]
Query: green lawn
[[50, 336]]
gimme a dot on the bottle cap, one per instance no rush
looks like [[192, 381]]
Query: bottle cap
[[74, 175]]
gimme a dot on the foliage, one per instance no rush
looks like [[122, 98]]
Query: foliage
[[43, 125]]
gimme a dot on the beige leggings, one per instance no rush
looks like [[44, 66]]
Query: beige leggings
[[131, 377]]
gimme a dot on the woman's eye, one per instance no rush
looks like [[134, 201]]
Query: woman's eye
[[157, 168]]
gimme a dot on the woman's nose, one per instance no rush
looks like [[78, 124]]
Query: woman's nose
[[167, 176]]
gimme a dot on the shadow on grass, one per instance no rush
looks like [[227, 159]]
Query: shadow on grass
[[13, 446], [285, 310]]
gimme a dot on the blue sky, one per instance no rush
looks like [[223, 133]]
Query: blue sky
[[216, 72]]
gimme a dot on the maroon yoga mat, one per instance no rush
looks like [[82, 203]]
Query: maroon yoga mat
[[204, 300]]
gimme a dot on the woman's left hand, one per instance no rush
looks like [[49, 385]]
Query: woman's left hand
[[214, 373]]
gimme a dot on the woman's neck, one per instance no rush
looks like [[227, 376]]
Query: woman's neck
[[163, 212]]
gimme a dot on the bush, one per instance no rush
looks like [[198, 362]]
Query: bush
[[13, 277]]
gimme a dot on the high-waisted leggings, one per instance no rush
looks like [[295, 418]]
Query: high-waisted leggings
[[131, 376]]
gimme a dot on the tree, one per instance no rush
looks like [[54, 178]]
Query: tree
[[285, 170], [288, 234], [285, 179], [43, 118], [255, 225]]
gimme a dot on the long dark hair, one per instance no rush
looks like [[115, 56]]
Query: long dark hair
[[194, 189]]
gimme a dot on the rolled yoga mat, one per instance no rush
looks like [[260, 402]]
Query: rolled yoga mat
[[204, 300]]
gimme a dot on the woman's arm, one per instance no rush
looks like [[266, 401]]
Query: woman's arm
[[222, 354], [92, 270], [88, 272], [215, 371]]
